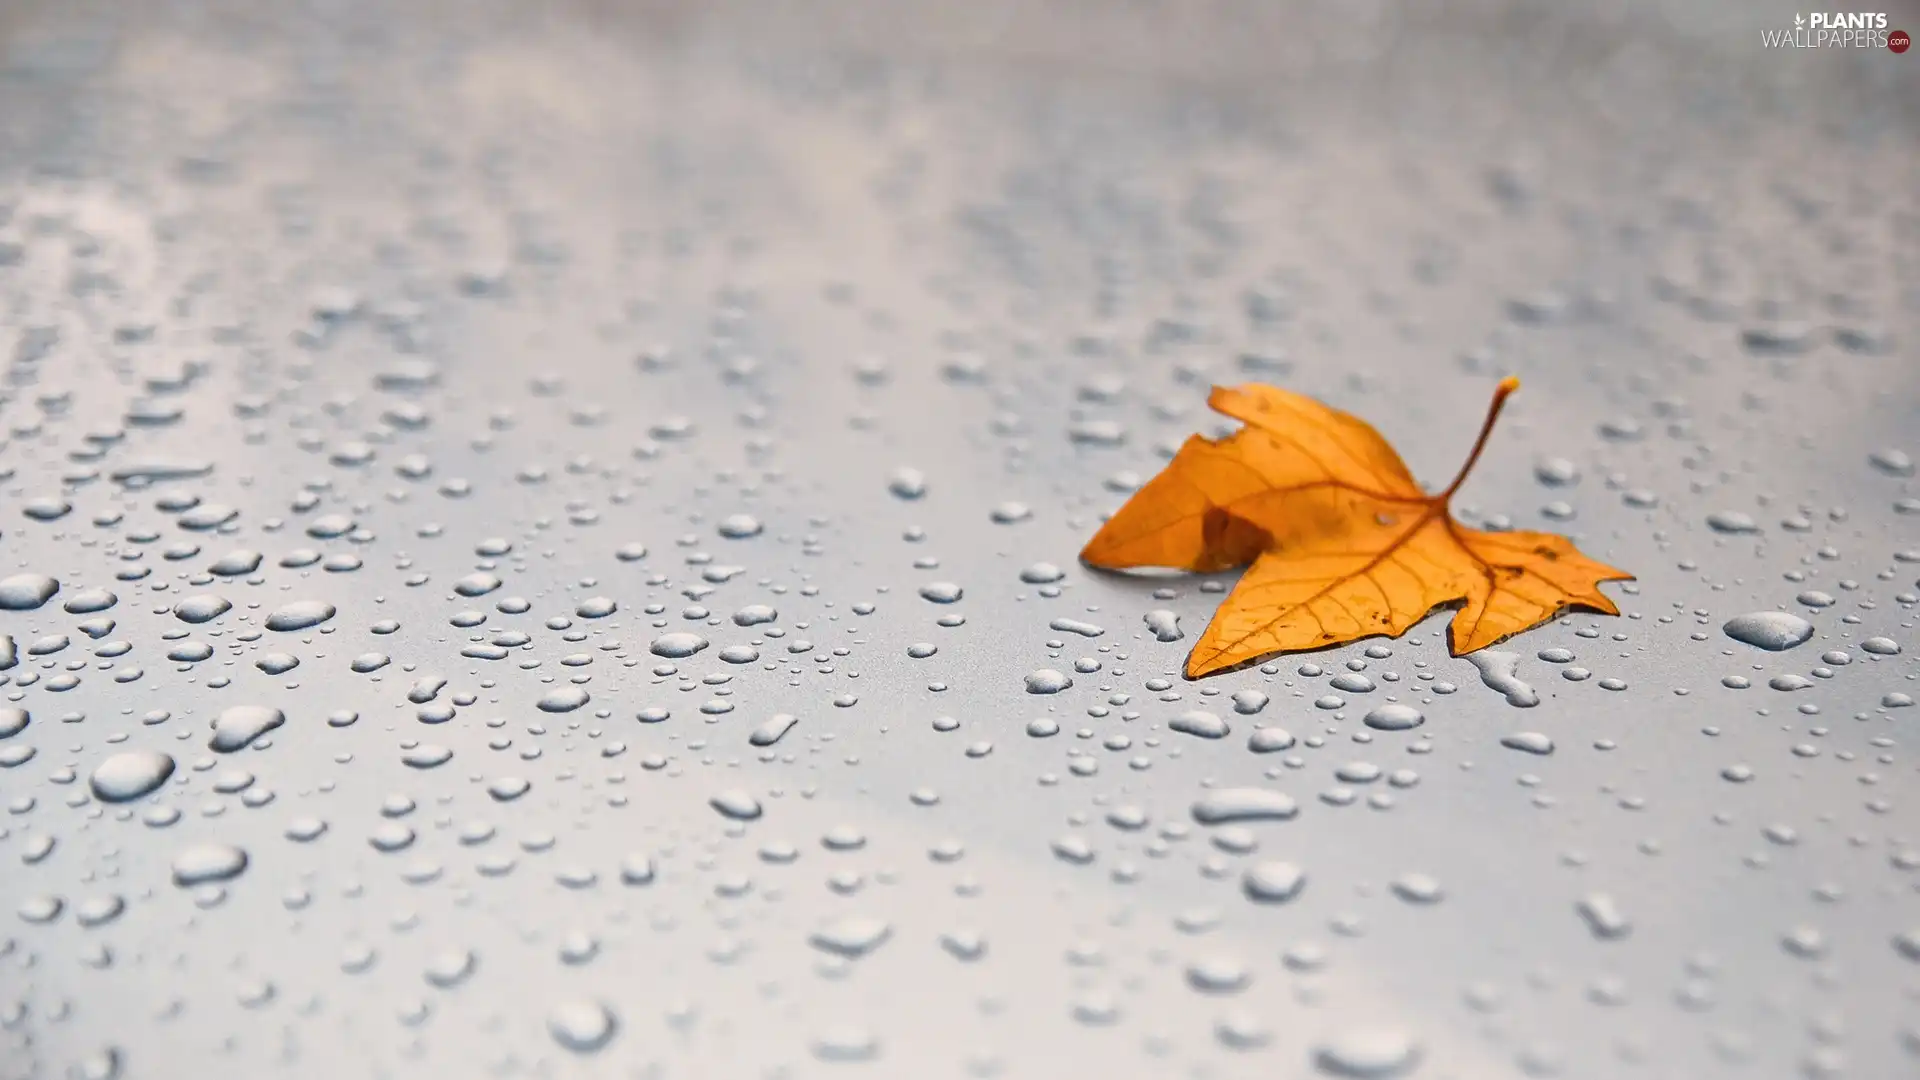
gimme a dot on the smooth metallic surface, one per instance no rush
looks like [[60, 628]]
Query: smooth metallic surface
[[629, 442]]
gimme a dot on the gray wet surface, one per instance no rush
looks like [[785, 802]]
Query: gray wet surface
[[565, 531]]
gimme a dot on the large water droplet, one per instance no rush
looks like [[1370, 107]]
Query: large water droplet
[[1774, 631], [1244, 804], [202, 864], [300, 615], [1367, 1054], [130, 774], [26, 592]]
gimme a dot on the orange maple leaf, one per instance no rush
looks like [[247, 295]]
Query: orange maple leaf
[[1343, 543]]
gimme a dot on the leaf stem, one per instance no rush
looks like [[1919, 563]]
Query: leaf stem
[[1500, 395]]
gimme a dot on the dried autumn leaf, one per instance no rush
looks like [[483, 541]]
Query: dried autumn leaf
[[1343, 543]]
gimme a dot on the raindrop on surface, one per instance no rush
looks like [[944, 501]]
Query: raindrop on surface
[[1774, 631], [1047, 681], [1042, 573], [1394, 717], [1230, 805], [26, 592], [852, 936], [739, 527], [754, 615], [563, 699], [907, 483], [736, 804], [1269, 740], [1499, 671], [300, 615], [677, 645], [775, 728], [1203, 724], [207, 863], [846, 1044], [1603, 917], [239, 725], [1164, 625], [1892, 462], [1248, 702], [1272, 882], [581, 1026], [129, 775], [1732, 523], [1367, 1054], [201, 608], [1531, 742]]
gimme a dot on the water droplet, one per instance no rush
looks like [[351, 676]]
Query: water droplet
[[1367, 1054], [1268, 740], [773, 730], [1892, 462], [1732, 522], [1531, 742], [239, 725], [581, 1025], [677, 645], [1394, 717], [1047, 681], [26, 592], [129, 775], [207, 863], [1206, 725], [1498, 670], [1164, 625], [1418, 889], [941, 592], [1603, 917], [562, 699], [1774, 631], [736, 804], [300, 615], [851, 936], [846, 1044], [1272, 882], [739, 527], [1229, 805], [201, 608], [907, 483]]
